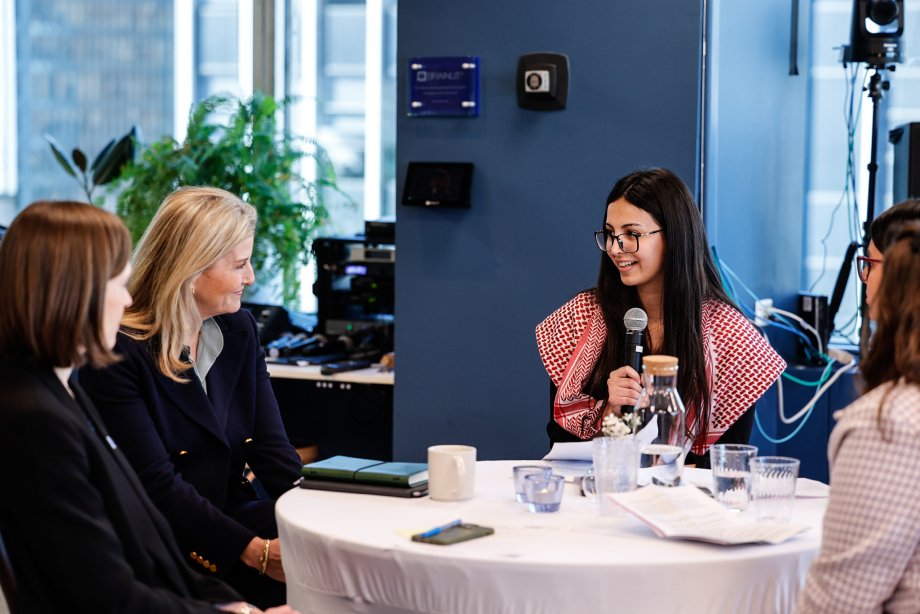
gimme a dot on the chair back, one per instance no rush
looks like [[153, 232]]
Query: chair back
[[7, 578]]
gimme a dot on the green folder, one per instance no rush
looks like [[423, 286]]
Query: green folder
[[368, 471]]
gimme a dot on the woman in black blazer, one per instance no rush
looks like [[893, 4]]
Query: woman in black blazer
[[82, 534], [191, 404]]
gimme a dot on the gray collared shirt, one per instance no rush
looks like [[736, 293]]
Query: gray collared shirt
[[210, 344]]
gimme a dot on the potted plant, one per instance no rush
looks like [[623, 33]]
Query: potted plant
[[237, 145], [106, 166]]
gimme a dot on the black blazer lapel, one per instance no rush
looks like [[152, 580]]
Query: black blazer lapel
[[192, 401], [224, 374], [178, 574]]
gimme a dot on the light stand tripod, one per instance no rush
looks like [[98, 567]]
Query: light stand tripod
[[877, 85]]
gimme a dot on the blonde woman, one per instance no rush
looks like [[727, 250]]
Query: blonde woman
[[191, 404]]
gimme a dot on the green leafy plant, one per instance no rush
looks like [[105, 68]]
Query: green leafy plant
[[106, 167], [237, 145]]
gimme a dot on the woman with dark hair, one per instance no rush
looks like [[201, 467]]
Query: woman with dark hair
[[881, 233], [656, 257], [870, 548], [81, 532]]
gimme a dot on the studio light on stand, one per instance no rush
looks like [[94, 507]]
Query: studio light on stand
[[875, 39]]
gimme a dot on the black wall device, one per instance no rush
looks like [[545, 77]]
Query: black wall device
[[543, 81], [813, 308], [906, 171], [438, 184]]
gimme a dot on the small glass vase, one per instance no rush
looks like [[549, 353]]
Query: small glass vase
[[616, 465]]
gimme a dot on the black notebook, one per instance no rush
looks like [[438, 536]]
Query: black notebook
[[419, 490]]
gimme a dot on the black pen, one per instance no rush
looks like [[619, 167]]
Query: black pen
[[440, 529]]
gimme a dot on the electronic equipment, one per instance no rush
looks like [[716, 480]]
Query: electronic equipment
[[271, 320], [813, 308], [906, 168], [354, 285], [438, 184], [380, 230], [875, 32], [543, 81]]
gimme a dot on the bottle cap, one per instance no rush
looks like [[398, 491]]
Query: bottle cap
[[659, 364]]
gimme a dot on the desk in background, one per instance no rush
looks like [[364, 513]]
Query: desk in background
[[348, 413], [342, 553]]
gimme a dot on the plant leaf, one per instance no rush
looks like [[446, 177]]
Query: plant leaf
[[59, 156], [101, 155], [115, 158], [79, 158]]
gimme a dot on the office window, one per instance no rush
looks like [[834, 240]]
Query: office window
[[342, 70], [86, 71], [836, 200]]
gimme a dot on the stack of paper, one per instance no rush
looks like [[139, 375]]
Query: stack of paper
[[685, 512]]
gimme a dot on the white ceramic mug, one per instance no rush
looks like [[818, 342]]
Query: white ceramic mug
[[451, 472]]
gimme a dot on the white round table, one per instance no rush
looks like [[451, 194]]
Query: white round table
[[345, 552]]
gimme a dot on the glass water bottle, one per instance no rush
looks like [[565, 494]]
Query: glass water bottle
[[660, 403]]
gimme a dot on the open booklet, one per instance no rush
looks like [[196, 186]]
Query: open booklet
[[685, 512]]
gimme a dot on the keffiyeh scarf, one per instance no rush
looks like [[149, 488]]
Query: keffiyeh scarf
[[740, 366]]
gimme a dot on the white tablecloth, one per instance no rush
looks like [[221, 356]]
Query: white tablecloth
[[350, 553]]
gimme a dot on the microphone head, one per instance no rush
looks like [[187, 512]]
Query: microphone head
[[635, 319]]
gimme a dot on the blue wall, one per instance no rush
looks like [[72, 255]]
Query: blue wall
[[471, 285], [754, 188]]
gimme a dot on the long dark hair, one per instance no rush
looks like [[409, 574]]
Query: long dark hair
[[690, 278], [889, 223], [894, 351]]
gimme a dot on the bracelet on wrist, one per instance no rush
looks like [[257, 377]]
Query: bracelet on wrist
[[263, 560]]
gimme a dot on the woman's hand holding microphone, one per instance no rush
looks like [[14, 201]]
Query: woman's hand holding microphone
[[623, 388]]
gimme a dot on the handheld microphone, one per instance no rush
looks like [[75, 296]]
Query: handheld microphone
[[635, 320]]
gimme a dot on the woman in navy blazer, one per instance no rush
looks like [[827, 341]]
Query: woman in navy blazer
[[82, 534], [191, 404]]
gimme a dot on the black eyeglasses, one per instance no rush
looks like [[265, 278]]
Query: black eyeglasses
[[864, 266], [628, 241]]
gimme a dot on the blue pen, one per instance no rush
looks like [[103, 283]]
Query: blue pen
[[440, 529]]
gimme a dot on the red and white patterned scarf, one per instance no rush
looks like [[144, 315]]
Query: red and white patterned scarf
[[740, 366]]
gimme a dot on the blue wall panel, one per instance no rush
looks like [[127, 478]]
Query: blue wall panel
[[472, 284]]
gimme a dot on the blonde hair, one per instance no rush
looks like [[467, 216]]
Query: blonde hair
[[193, 228], [55, 261]]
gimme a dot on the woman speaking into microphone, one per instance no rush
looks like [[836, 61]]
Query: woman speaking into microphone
[[655, 257]]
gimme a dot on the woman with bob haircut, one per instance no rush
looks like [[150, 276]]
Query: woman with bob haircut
[[82, 534], [870, 547], [655, 257], [191, 403]]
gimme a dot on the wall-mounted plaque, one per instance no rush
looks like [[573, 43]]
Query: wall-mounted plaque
[[444, 86]]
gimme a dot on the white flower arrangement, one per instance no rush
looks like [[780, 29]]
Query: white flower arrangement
[[619, 426]]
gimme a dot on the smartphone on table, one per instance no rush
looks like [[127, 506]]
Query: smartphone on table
[[455, 535]]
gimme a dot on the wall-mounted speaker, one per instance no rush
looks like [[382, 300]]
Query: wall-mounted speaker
[[906, 170]]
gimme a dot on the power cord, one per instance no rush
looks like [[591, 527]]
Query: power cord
[[765, 315]]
